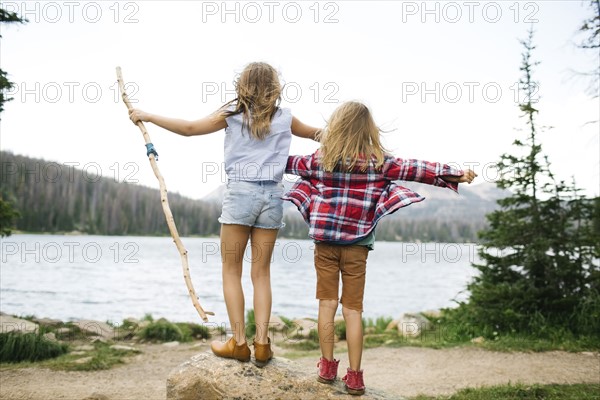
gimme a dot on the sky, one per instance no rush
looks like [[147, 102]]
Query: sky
[[441, 79]]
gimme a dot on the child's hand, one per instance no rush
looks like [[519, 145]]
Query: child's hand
[[467, 177], [138, 115]]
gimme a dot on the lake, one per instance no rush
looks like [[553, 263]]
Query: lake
[[113, 277]]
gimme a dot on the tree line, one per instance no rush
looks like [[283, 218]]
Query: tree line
[[54, 198]]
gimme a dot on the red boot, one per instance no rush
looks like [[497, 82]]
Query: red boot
[[327, 370], [354, 382]]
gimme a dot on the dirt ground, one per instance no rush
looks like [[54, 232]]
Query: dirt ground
[[404, 372]]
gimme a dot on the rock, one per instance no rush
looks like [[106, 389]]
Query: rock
[[78, 353], [413, 324], [276, 323], [100, 339], [63, 331], [122, 347], [17, 325], [392, 325], [47, 321], [432, 314], [302, 328], [84, 347], [171, 344], [50, 336], [208, 377], [83, 360], [143, 324], [96, 396], [96, 328], [478, 340]]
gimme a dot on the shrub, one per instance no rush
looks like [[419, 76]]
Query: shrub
[[192, 331], [162, 331], [340, 330], [250, 323]]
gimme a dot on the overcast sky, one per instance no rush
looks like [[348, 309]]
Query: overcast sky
[[439, 77]]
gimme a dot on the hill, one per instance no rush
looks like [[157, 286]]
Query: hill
[[444, 216], [67, 202]]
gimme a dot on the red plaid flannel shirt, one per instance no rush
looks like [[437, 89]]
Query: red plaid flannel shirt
[[345, 207]]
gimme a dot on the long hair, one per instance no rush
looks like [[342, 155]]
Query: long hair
[[351, 139], [258, 96]]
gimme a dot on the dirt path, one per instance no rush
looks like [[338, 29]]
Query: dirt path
[[403, 371]]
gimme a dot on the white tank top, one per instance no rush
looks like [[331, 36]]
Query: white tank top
[[250, 159]]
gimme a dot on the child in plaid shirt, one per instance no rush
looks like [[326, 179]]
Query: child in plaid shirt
[[346, 187]]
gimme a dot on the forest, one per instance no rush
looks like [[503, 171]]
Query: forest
[[55, 198]]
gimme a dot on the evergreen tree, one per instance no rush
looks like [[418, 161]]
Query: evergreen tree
[[6, 17], [591, 42], [540, 266], [7, 212]]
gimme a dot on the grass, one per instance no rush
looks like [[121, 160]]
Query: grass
[[288, 322], [191, 331], [20, 350], [250, 323], [17, 347], [99, 358], [524, 392], [296, 354], [447, 335], [102, 357], [302, 345], [378, 325]]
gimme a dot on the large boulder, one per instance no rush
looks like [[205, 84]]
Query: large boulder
[[97, 328], [276, 323], [208, 377], [12, 324], [47, 321], [413, 324], [302, 328]]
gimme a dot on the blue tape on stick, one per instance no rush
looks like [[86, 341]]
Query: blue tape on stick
[[151, 150]]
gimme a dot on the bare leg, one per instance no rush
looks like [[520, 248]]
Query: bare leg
[[262, 242], [327, 309], [233, 244], [354, 336]]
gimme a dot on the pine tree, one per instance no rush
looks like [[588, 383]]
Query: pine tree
[[591, 43], [7, 212], [540, 266]]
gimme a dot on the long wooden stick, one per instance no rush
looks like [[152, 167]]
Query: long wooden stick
[[165, 204]]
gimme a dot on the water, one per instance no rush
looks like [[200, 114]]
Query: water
[[111, 278]]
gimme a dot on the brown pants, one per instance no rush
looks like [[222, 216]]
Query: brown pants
[[348, 260]]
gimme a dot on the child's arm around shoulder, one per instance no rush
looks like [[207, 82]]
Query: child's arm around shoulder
[[209, 124], [302, 130]]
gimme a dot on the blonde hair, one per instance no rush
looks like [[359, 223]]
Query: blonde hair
[[258, 96], [351, 139]]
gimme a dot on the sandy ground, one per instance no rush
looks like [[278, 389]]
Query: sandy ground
[[401, 371]]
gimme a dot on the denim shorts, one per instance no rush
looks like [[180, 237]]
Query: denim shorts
[[256, 204]]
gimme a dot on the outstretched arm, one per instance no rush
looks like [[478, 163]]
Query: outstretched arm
[[431, 173], [302, 130], [467, 177], [209, 124]]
